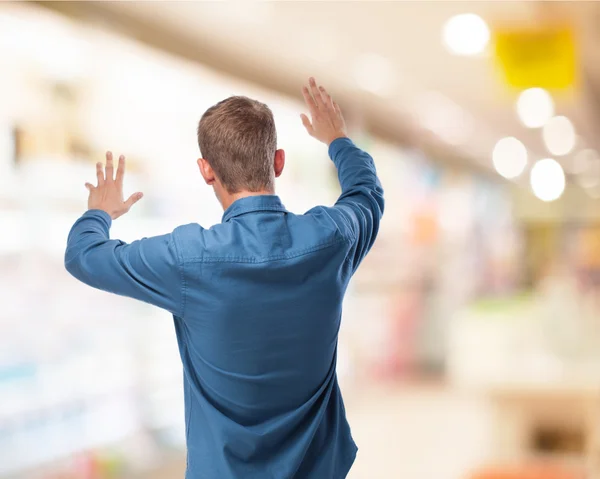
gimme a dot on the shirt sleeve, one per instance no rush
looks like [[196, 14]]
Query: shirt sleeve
[[361, 204], [148, 269]]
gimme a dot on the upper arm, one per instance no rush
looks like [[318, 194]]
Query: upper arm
[[359, 208], [148, 269], [360, 214]]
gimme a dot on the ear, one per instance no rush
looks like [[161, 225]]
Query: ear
[[279, 162], [206, 171]]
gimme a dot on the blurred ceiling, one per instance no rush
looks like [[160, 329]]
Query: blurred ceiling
[[279, 44]]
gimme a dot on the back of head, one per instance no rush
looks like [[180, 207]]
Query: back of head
[[237, 137]]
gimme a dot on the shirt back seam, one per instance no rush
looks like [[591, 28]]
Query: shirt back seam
[[254, 260]]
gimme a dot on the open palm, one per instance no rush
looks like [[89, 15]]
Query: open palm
[[107, 195]]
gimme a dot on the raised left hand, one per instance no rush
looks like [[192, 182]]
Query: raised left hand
[[108, 194]]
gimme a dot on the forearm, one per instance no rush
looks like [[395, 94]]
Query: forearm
[[89, 234], [148, 269]]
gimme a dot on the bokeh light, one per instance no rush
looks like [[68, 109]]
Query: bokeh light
[[466, 34], [509, 157], [535, 107], [559, 135], [547, 179]]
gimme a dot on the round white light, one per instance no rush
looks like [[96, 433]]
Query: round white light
[[559, 135], [466, 34], [547, 179], [374, 73], [509, 157], [535, 107]]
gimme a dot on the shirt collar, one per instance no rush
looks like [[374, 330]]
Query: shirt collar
[[250, 204]]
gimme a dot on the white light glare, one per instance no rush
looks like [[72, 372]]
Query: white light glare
[[559, 135], [466, 34], [509, 157], [547, 180], [535, 107]]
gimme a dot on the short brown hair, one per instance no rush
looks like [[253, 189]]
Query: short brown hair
[[237, 137]]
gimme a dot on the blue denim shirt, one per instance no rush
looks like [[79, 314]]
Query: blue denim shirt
[[257, 302]]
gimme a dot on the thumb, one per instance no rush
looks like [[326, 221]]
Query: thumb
[[307, 124], [133, 199], [89, 187]]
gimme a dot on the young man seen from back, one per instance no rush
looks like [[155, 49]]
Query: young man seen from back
[[256, 299]]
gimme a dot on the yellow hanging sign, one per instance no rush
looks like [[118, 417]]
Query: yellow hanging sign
[[543, 58]]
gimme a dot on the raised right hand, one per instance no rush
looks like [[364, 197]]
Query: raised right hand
[[326, 123], [107, 195]]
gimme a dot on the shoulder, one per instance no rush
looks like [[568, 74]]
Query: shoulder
[[194, 241], [188, 238], [333, 217], [187, 230]]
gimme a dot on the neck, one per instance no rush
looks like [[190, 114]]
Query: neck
[[230, 198]]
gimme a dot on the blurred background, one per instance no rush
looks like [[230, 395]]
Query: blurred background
[[470, 345]]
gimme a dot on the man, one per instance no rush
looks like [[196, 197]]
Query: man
[[256, 300]]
